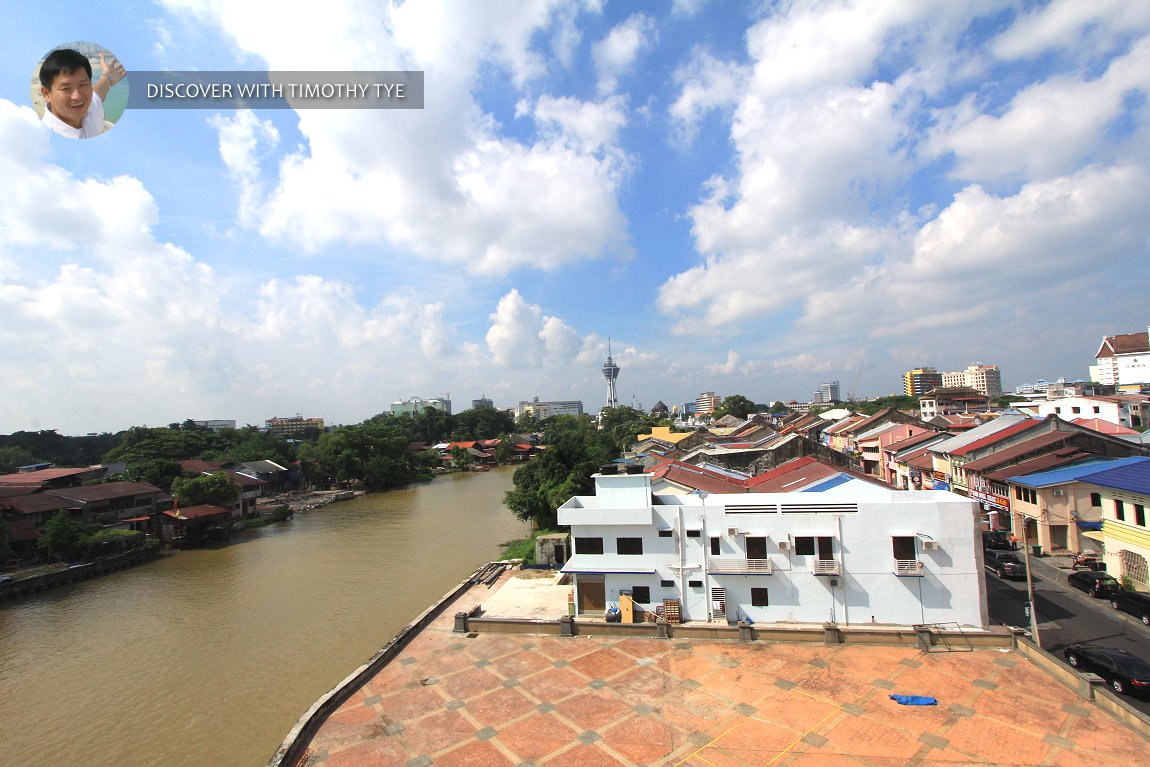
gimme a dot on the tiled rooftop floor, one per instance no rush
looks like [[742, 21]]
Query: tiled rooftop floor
[[494, 699]]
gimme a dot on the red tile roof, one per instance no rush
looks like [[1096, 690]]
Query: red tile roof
[[798, 471], [1103, 427], [1052, 440], [37, 503], [106, 491], [1126, 343], [1042, 463], [696, 478], [198, 512], [44, 475]]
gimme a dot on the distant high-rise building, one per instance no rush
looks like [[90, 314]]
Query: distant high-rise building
[[985, 379], [920, 380], [482, 402], [541, 410], [706, 403], [217, 424], [419, 404], [293, 425], [829, 392], [610, 372]]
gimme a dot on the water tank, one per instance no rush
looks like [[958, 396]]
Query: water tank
[[634, 468], [608, 468]]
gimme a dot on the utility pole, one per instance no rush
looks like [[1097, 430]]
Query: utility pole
[[1030, 588]]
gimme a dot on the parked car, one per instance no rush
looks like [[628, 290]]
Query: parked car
[[1004, 564], [998, 539], [1126, 673], [1134, 602], [1094, 583]]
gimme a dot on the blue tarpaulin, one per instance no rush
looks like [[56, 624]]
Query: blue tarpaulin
[[914, 700]]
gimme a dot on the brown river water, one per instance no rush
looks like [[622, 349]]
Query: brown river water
[[209, 656]]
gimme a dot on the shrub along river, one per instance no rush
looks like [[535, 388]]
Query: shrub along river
[[209, 656]]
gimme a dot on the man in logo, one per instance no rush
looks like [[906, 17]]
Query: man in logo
[[74, 105]]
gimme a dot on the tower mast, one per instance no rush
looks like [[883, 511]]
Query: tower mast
[[610, 372]]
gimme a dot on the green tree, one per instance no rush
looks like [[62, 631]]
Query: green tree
[[460, 459], [623, 424], [736, 405], [481, 423], [217, 489], [11, 458], [64, 538], [160, 472], [575, 449]]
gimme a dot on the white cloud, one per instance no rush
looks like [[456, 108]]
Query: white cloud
[[705, 84], [616, 54], [1048, 128], [521, 336], [241, 138], [1070, 25], [444, 182]]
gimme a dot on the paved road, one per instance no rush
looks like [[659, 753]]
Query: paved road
[[1065, 614]]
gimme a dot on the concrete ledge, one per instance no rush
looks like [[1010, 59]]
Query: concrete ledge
[[23, 586]]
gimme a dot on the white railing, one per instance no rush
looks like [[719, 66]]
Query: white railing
[[826, 567], [907, 567], [730, 565]]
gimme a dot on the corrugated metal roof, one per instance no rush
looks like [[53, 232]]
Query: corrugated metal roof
[[1080, 472], [1133, 477]]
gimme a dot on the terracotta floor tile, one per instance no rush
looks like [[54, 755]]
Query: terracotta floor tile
[[643, 648], [795, 710], [866, 737], [475, 754], [492, 646], [593, 709], [995, 741], [499, 706], [408, 704], [1105, 738], [520, 664], [642, 684], [336, 736], [470, 682], [694, 710], [356, 713], [603, 663], [583, 756], [535, 736], [645, 739], [553, 684], [375, 752], [436, 732]]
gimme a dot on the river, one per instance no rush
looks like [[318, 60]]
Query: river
[[209, 656]]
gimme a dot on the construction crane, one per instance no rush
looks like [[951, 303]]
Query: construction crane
[[854, 387]]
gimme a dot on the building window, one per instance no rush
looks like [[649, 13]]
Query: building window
[[666, 533], [588, 545], [715, 547], [694, 533], [1097, 410], [1140, 515], [641, 594], [1057, 409], [759, 597], [904, 547], [1096, 499], [695, 584], [756, 547], [667, 584], [1119, 511], [1075, 409], [804, 545], [629, 546]]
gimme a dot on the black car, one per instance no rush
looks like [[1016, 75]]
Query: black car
[[998, 539], [1126, 674], [1136, 603], [1094, 583], [1004, 564]]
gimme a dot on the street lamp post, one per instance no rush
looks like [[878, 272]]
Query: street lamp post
[[1030, 587]]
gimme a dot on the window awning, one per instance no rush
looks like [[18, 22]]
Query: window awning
[[608, 564], [1094, 535]]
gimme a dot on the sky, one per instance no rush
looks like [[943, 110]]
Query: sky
[[745, 198]]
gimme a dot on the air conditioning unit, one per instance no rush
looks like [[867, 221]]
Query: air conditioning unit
[[784, 545], [732, 531], [1059, 492], [930, 545]]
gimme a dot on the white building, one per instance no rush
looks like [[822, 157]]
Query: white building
[[1123, 361], [1129, 410], [985, 379], [543, 410], [854, 553], [417, 405]]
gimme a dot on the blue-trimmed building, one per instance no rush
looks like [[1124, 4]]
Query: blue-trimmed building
[[1062, 509]]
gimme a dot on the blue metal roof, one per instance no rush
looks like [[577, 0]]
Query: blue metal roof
[[1133, 477], [828, 483], [1090, 471]]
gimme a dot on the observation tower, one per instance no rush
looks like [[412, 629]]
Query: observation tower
[[610, 372]]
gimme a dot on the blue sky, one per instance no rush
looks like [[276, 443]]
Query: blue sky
[[746, 198]]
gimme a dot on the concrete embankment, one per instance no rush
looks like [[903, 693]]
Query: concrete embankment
[[48, 580]]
